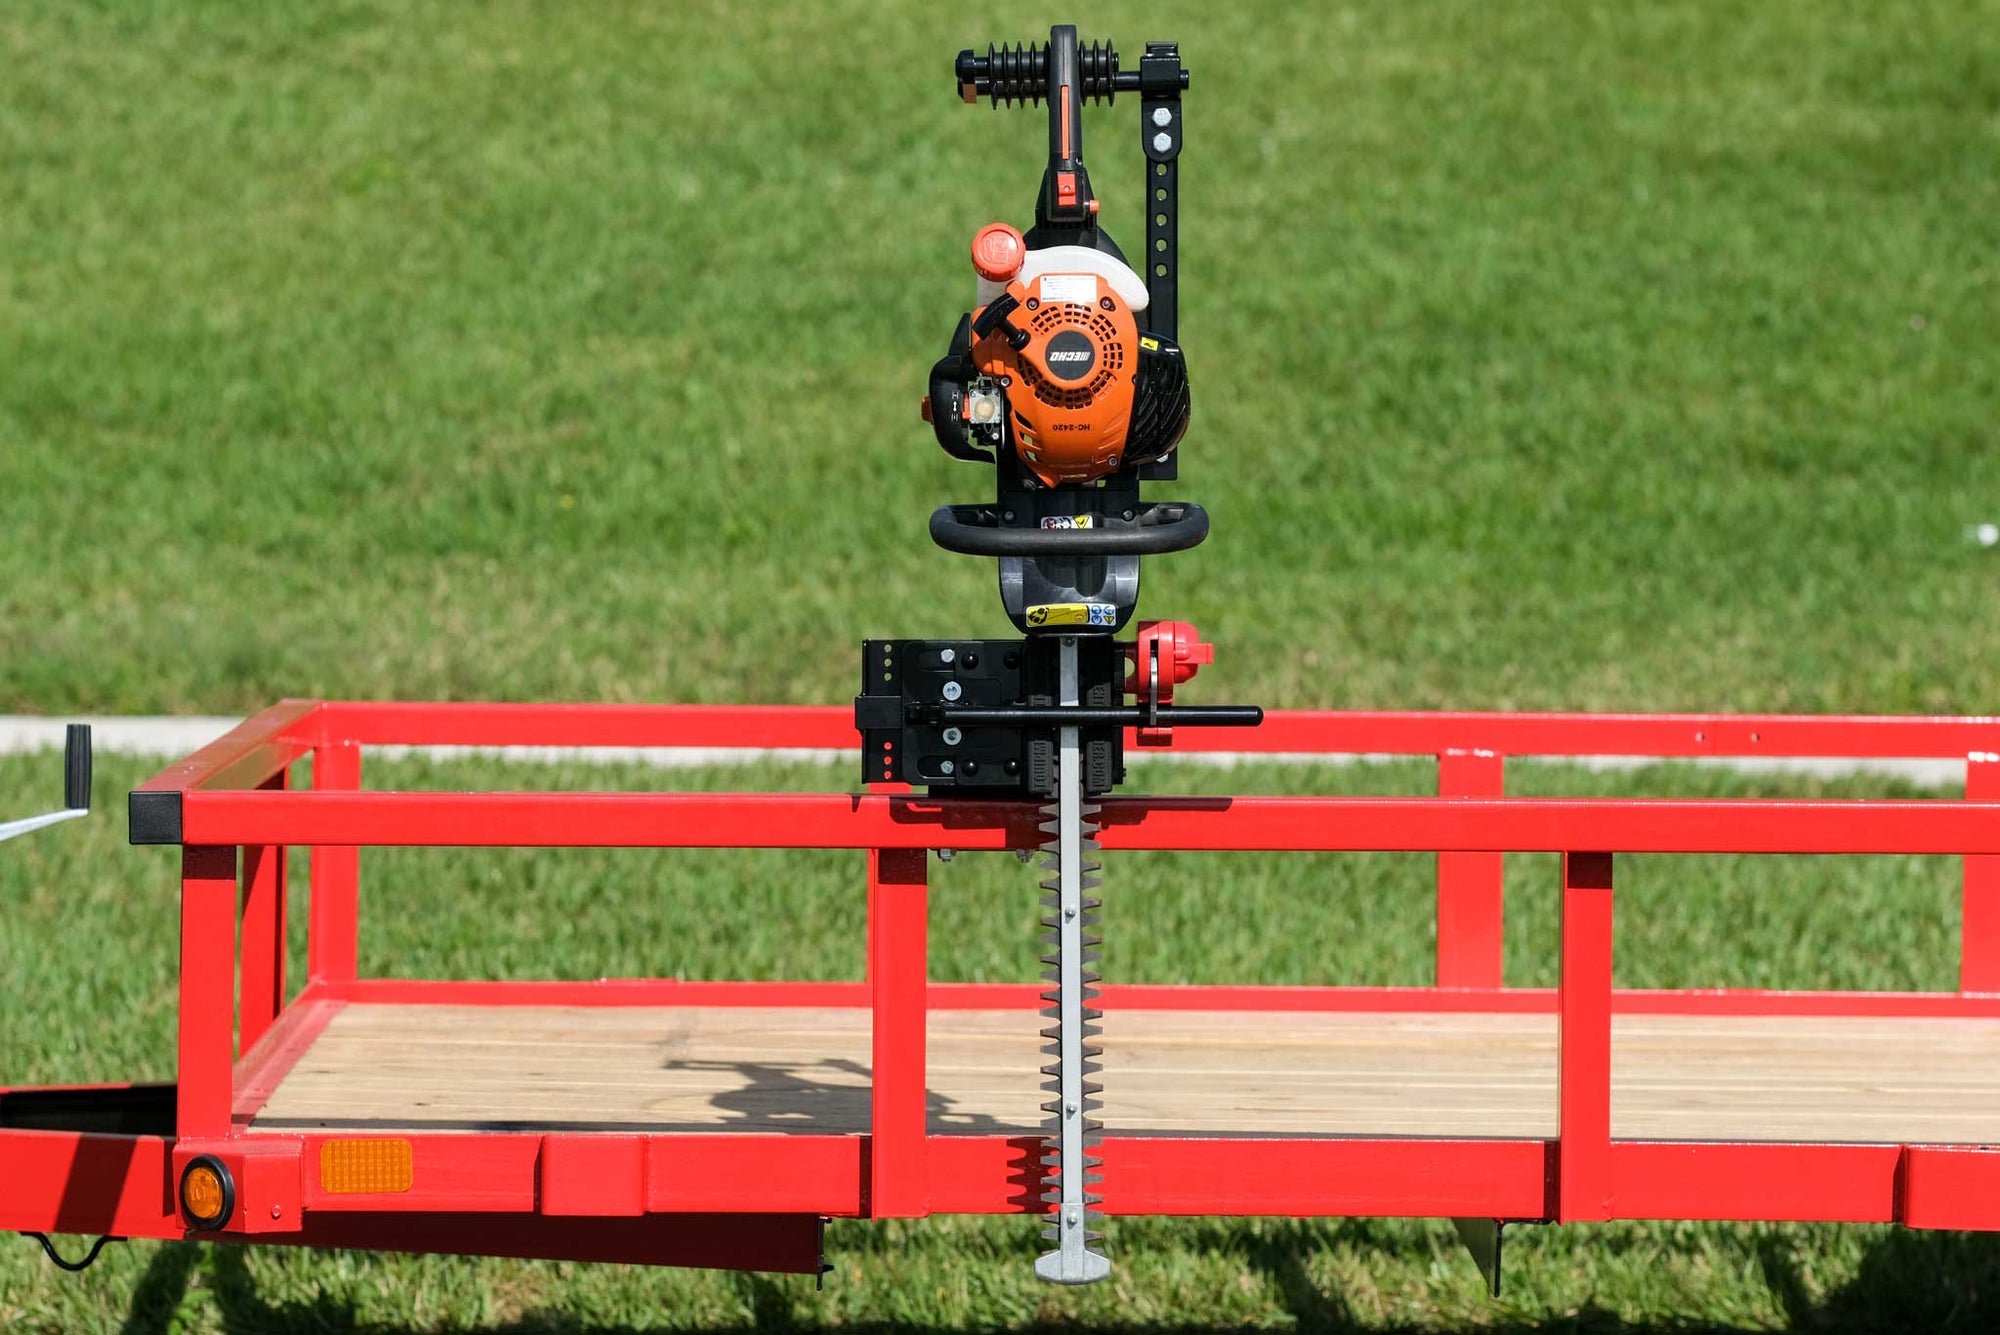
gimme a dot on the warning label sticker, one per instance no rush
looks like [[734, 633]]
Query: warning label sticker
[[1073, 614], [1069, 521]]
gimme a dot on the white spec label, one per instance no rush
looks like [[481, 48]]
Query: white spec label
[[1080, 288]]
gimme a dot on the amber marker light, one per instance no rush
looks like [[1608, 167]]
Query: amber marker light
[[208, 1197]]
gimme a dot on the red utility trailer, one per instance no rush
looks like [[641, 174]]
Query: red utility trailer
[[538, 1119]]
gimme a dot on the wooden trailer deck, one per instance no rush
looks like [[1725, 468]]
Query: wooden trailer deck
[[432, 1068]]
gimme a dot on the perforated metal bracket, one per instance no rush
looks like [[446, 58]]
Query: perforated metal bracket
[[1161, 133], [909, 689]]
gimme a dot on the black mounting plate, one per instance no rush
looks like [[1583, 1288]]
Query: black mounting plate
[[904, 682]]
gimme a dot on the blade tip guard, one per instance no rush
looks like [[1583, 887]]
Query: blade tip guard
[[1057, 1268]]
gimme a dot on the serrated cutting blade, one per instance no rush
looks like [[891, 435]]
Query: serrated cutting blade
[[1069, 1186]]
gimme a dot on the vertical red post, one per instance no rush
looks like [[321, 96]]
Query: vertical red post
[[1979, 916], [1471, 894], [333, 928], [263, 934], [898, 974], [208, 992], [1584, 1039]]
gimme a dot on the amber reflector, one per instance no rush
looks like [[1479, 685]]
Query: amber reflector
[[350, 1166]]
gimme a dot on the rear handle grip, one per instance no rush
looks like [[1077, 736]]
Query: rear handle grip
[[76, 767], [974, 530]]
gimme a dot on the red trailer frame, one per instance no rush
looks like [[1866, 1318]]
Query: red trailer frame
[[758, 1201]]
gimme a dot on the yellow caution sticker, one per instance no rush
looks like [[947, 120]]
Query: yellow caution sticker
[[1069, 521], [1072, 614]]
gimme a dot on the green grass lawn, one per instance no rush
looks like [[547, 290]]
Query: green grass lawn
[[1544, 355], [89, 943]]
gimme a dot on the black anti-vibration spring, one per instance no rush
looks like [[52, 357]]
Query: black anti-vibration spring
[[1010, 74]]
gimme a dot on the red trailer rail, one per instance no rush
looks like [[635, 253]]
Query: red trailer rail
[[373, 1112]]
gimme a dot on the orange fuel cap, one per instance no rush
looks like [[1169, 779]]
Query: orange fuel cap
[[997, 252]]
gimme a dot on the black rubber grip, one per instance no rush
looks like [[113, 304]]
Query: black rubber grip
[[974, 530], [76, 767]]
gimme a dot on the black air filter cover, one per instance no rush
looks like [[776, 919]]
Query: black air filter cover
[[1159, 399]]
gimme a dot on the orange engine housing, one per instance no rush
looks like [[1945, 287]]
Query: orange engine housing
[[1070, 386]]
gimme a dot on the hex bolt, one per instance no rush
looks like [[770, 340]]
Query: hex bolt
[[947, 656], [1023, 855], [952, 690], [947, 854], [952, 736], [1162, 142], [946, 767], [1162, 117]]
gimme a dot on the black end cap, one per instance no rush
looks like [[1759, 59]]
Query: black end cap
[[877, 713], [155, 817]]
